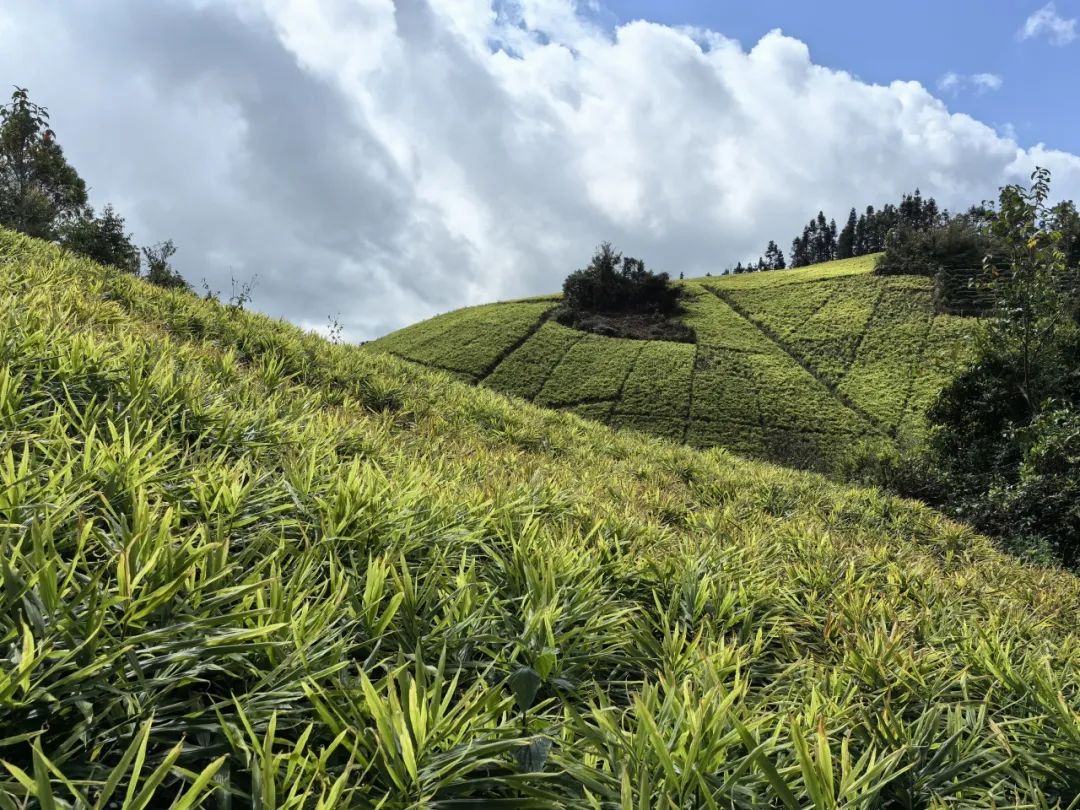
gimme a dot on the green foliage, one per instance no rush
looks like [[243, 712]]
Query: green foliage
[[524, 372], [956, 245], [659, 382], [101, 239], [39, 189], [595, 368], [794, 367], [470, 341], [614, 284], [243, 566], [1005, 430], [160, 272]]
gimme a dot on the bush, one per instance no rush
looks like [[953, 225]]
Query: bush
[[909, 251], [617, 284], [1043, 503], [905, 470], [1006, 433], [617, 296], [160, 272], [102, 239]]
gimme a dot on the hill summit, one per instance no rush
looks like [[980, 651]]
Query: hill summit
[[791, 366]]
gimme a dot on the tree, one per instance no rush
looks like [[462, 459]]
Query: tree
[[774, 257], [1006, 432], [864, 232], [1037, 297], [39, 189], [157, 268], [845, 244], [101, 239], [800, 249], [1064, 218], [613, 283]]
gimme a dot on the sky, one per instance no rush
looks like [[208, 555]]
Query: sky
[[374, 162]]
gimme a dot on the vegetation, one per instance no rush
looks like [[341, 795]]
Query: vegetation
[[244, 566], [38, 187], [102, 239], [795, 367], [1007, 430], [618, 297], [42, 195], [863, 235]]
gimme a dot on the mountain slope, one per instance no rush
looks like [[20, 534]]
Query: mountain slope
[[243, 565], [791, 366]]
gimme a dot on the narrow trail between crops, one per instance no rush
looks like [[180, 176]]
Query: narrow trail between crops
[[513, 347], [871, 421]]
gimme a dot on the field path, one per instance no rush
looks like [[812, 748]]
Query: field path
[[517, 344], [780, 343]]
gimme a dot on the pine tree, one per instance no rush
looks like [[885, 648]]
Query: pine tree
[[774, 257], [845, 244], [800, 249]]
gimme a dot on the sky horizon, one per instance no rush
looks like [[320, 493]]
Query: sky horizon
[[378, 162]]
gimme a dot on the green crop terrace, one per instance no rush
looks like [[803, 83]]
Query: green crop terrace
[[793, 366]]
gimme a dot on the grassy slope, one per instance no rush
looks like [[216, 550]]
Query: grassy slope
[[792, 366], [311, 572]]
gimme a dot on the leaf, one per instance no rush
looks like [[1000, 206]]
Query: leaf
[[545, 662], [525, 683], [532, 757]]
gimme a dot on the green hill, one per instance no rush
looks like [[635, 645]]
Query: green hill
[[790, 366], [242, 567]]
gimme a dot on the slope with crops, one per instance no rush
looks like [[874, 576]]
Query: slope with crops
[[243, 566], [793, 366]]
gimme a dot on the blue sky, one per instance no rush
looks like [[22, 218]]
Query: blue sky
[[921, 40]]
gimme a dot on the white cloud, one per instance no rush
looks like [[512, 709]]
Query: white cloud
[[1049, 23], [986, 82], [391, 160], [950, 82], [979, 83]]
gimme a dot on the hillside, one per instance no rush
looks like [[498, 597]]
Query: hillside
[[790, 366], [243, 566]]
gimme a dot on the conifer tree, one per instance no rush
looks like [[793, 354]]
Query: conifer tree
[[774, 257], [845, 243]]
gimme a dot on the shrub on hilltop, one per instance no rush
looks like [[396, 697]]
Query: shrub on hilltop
[[617, 295]]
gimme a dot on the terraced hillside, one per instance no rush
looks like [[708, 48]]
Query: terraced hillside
[[791, 365], [244, 567]]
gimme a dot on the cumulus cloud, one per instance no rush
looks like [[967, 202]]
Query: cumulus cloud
[[979, 83], [1047, 22], [387, 161]]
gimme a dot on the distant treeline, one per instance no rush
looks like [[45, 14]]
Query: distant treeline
[[918, 235], [822, 241]]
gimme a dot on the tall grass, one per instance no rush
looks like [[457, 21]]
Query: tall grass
[[245, 567]]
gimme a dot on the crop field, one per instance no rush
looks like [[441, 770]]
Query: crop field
[[471, 341], [792, 366], [244, 567]]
